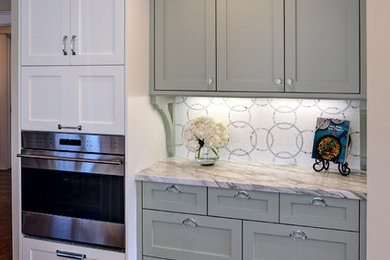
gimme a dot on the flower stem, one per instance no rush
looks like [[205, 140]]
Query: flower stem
[[199, 151], [214, 151]]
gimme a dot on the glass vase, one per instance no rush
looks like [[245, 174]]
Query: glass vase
[[207, 156]]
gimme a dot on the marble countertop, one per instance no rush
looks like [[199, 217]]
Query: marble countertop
[[259, 177]]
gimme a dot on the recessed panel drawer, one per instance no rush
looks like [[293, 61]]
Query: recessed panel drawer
[[190, 237], [264, 241], [323, 212], [252, 205], [173, 197]]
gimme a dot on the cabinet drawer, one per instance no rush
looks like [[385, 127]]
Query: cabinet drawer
[[172, 197], [263, 241], [319, 212], [190, 237], [35, 249], [252, 205]]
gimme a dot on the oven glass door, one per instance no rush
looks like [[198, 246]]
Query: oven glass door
[[73, 194]]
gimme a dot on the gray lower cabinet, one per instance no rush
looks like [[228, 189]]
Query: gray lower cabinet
[[252, 205], [184, 44], [250, 45], [174, 197], [316, 211], [190, 237], [263, 241], [322, 46]]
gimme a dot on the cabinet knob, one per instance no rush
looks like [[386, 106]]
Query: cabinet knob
[[298, 235], [210, 81], [190, 222], [173, 188], [278, 81], [318, 202], [289, 82], [63, 46], [242, 195]]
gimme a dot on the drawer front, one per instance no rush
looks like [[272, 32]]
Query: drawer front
[[325, 212], [35, 249], [210, 238], [252, 205], [264, 241], [174, 197]]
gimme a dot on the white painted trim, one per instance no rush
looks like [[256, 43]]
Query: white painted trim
[[5, 17]]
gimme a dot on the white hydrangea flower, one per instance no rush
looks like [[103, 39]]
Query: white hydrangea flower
[[205, 131]]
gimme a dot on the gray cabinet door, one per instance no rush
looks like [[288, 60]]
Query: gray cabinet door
[[184, 45], [316, 211], [263, 241], [322, 46], [251, 205], [250, 51], [191, 237]]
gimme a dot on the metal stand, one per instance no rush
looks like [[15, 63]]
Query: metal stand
[[322, 164]]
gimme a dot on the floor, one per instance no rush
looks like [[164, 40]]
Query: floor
[[5, 216]]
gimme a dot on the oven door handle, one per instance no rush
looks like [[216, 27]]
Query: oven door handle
[[44, 157]]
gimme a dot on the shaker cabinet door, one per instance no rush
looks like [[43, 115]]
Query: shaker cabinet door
[[322, 46], [101, 99], [184, 45], [250, 45], [97, 32], [263, 241], [46, 95], [45, 26]]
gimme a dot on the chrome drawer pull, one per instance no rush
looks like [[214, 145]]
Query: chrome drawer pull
[[190, 222], [242, 195], [70, 255], [173, 188], [79, 127], [318, 202], [63, 46], [72, 45], [298, 235]]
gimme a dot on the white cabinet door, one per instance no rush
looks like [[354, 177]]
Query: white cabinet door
[[97, 32], [34, 249], [44, 94], [100, 105], [73, 99], [44, 24]]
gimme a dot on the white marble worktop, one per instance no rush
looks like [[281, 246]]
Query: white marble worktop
[[259, 177]]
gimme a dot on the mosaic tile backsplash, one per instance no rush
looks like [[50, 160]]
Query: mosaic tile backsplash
[[269, 130]]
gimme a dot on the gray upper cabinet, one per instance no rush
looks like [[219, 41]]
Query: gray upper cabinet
[[184, 45], [250, 51], [322, 46]]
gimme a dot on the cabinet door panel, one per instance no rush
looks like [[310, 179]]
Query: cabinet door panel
[[99, 29], [45, 94], [322, 46], [250, 52], [165, 236], [100, 99], [185, 45], [263, 241], [44, 23]]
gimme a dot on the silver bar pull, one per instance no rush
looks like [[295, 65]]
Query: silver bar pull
[[64, 45], [298, 235], [318, 202], [70, 255], [72, 45], [79, 127], [54, 158], [190, 222], [173, 188], [242, 195]]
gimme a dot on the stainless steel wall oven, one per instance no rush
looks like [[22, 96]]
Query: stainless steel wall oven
[[73, 187]]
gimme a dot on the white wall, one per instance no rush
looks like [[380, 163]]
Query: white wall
[[145, 135], [378, 142]]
